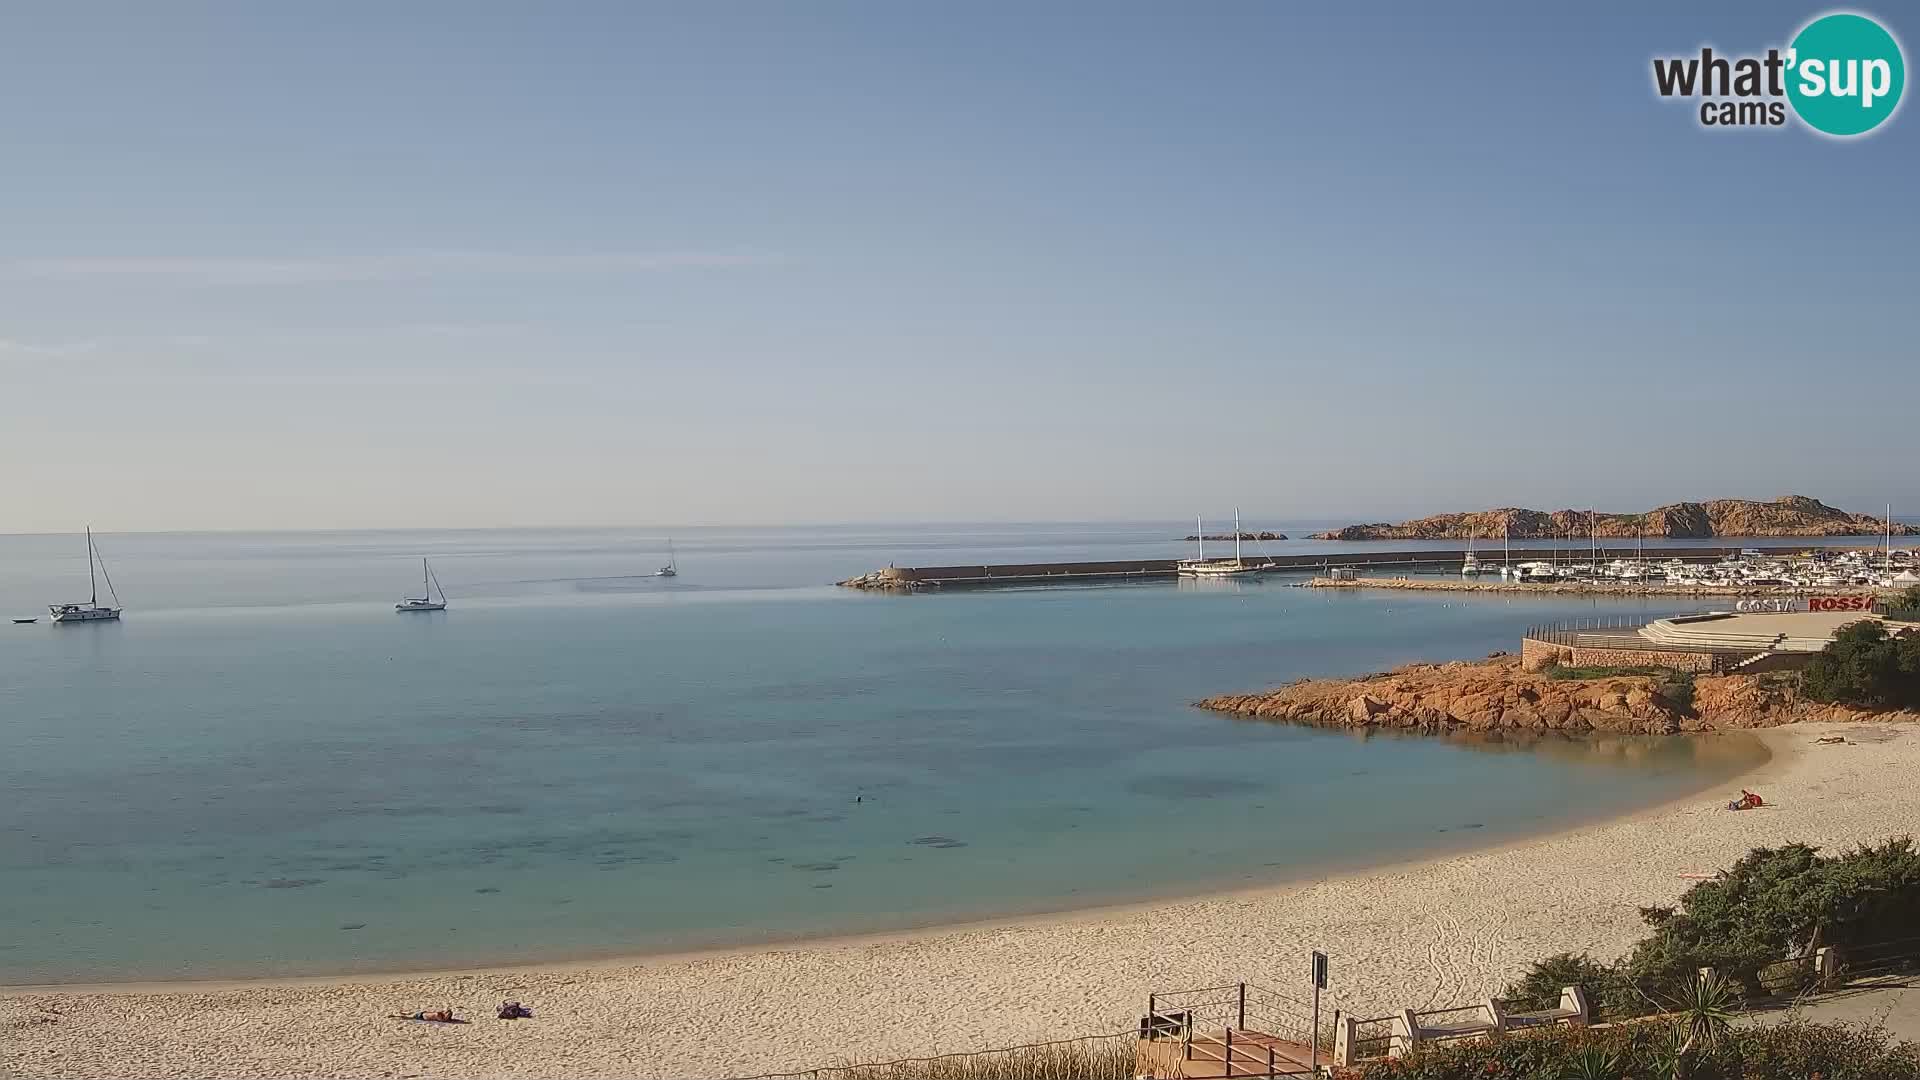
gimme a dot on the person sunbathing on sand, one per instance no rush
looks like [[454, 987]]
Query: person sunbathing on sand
[[437, 1016], [513, 1010]]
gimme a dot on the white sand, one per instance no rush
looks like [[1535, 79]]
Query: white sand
[[1440, 931]]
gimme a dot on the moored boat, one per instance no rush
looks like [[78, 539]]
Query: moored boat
[[92, 610]]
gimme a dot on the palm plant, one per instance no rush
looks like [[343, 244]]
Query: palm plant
[[1706, 1010], [1593, 1063]]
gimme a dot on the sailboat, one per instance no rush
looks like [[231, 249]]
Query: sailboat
[[91, 611], [1205, 567], [668, 570], [1470, 566], [425, 601]]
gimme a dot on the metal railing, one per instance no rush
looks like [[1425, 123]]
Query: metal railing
[[1376, 1037], [1236, 1026]]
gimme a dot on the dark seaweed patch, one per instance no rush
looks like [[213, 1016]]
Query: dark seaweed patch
[[289, 882], [1182, 786]]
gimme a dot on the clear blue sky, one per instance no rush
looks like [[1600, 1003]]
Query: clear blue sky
[[431, 264]]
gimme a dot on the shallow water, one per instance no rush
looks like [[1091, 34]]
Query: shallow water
[[264, 770]]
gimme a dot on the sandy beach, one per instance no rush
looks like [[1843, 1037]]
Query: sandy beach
[[1437, 931]]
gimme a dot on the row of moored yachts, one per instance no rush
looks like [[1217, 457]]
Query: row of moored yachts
[[1750, 568]]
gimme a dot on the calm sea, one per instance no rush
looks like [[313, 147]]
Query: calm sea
[[265, 770]]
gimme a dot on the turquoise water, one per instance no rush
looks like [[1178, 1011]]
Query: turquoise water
[[264, 770]]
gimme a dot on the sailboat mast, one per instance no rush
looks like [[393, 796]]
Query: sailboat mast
[[1889, 538], [1200, 534], [1236, 534], [424, 583], [93, 586]]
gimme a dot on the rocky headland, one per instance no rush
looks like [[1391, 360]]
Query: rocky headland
[[1495, 696], [1244, 535], [1789, 515]]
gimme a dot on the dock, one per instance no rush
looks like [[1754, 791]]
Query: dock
[[1013, 575]]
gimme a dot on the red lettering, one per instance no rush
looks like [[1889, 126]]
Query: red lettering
[[1858, 602]]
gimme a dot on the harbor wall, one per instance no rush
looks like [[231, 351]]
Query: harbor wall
[[1535, 655], [1022, 573]]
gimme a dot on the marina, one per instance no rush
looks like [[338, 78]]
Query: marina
[[1705, 569]]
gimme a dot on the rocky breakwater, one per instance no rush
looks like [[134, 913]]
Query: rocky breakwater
[[1496, 696], [1244, 535], [888, 580]]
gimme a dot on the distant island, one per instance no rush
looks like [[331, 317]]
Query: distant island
[[1789, 515], [1243, 535]]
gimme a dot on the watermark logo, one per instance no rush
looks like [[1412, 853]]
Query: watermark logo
[[1842, 75]]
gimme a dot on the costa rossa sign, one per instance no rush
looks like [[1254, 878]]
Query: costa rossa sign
[[1781, 604], [1849, 602]]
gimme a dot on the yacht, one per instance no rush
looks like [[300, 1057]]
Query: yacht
[[668, 570], [1535, 571], [1470, 566], [1203, 567], [425, 601], [91, 611]]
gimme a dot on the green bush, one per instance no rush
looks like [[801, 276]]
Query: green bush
[[1610, 994], [1786, 1051], [1563, 671], [1780, 901], [1865, 666]]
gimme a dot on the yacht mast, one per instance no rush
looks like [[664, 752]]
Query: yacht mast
[[1236, 535], [1200, 534], [93, 586], [424, 583]]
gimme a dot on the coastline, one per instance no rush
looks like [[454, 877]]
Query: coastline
[[1435, 930]]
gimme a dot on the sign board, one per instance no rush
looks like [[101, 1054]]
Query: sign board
[[1319, 970], [1781, 604], [1852, 602]]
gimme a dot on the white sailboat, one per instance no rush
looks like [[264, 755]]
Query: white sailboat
[[91, 611], [424, 602], [668, 570], [1204, 567], [1470, 566]]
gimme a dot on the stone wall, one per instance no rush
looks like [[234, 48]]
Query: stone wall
[[1535, 655]]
